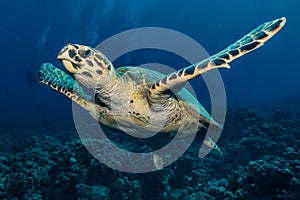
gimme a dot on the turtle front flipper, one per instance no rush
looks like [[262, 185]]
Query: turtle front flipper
[[255, 39], [62, 82]]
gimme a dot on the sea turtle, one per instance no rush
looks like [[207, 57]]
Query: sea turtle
[[139, 100]]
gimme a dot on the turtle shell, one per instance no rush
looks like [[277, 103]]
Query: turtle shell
[[143, 76]]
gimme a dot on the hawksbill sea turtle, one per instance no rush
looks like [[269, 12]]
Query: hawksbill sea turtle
[[136, 99]]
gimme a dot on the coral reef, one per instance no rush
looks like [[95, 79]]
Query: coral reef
[[261, 160]]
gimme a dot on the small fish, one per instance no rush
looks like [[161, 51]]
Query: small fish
[[158, 161], [209, 142]]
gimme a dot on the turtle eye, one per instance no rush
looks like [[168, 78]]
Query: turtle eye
[[85, 53]]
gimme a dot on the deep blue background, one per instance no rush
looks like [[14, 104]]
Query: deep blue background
[[33, 32]]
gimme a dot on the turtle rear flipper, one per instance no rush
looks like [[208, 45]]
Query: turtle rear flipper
[[255, 39], [62, 82]]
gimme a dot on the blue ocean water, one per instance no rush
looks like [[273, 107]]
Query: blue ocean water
[[33, 32]]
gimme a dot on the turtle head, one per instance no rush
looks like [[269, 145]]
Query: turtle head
[[89, 66]]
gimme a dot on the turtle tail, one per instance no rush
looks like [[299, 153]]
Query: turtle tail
[[62, 82]]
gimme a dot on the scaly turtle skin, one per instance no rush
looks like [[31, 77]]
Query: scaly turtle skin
[[138, 100]]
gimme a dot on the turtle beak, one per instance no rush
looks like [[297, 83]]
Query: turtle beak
[[63, 54], [67, 61], [71, 67]]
